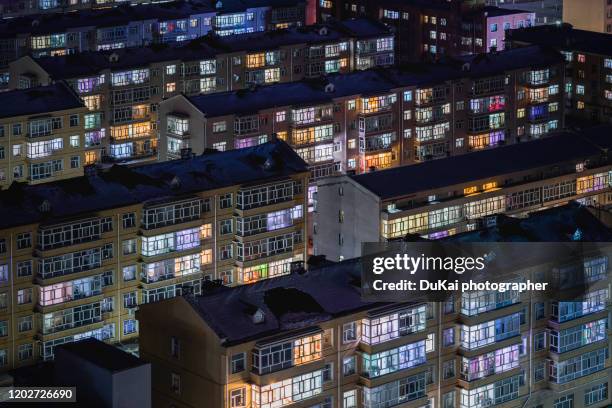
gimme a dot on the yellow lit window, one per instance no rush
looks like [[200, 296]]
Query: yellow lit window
[[206, 231], [206, 257], [380, 161], [92, 102], [580, 105], [140, 112], [282, 135], [171, 87], [131, 131], [307, 349], [255, 60], [489, 186], [470, 190], [520, 113], [90, 157], [343, 63]]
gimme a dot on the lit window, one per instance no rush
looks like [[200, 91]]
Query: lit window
[[220, 146]]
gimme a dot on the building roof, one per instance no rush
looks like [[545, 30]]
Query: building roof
[[363, 28], [121, 185], [291, 302], [246, 101], [492, 11], [93, 62], [465, 168], [43, 99], [122, 15], [116, 16], [558, 224], [421, 4], [564, 37], [291, 93], [102, 355]]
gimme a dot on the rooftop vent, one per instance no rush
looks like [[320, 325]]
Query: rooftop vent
[[35, 23], [329, 88], [175, 183], [45, 207], [114, 57], [259, 316], [466, 67], [269, 164], [323, 31], [219, 5]]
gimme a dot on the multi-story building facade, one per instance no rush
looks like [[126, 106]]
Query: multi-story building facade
[[430, 30], [595, 15], [122, 88], [495, 23], [309, 340], [446, 197], [41, 135], [588, 72], [125, 27], [77, 257], [20, 8], [546, 11], [381, 118]]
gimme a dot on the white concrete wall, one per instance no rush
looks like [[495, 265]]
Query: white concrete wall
[[361, 218]]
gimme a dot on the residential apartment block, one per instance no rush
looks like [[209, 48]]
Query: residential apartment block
[[378, 119], [593, 15], [78, 256], [126, 26], [546, 11], [588, 72], [41, 135], [430, 30], [446, 197], [309, 340], [123, 88]]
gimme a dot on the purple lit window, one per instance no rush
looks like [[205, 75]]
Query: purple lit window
[[438, 235], [94, 138], [495, 138], [187, 239], [538, 111], [86, 84], [248, 142], [279, 219]]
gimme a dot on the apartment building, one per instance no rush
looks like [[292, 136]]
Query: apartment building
[[430, 30], [594, 15], [446, 197], [78, 256], [41, 135], [378, 119], [546, 11], [495, 22], [309, 340], [126, 26], [302, 340], [588, 72], [123, 88]]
